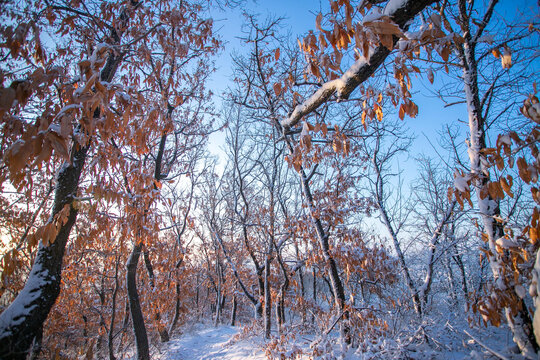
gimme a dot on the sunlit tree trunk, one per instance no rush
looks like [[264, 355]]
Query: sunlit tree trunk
[[520, 323]]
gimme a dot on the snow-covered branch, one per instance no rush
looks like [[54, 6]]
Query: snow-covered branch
[[401, 12]]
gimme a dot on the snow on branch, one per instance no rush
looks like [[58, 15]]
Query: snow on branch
[[400, 12]]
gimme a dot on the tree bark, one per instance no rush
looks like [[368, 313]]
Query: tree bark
[[520, 323], [177, 300], [267, 296], [314, 289], [141, 338], [113, 311], [322, 236], [162, 330], [359, 71], [23, 320], [233, 310]]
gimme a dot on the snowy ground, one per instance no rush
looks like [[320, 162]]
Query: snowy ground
[[212, 343], [439, 341]]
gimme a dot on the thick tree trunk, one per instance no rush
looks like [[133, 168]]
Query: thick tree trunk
[[141, 338], [36, 346], [22, 321]]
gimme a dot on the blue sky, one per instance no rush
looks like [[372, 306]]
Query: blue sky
[[300, 17]]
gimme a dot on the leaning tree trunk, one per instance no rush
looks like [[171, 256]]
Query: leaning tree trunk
[[139, 328], [335, 280], [23, 320]]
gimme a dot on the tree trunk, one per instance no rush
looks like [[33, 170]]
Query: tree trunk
[[520, 323], [233, 311], [337, 285], [267, 297], [280, 302], [162, 330], [218, 294], [177, 306], [141, 338], [464, 287], [314, 288], [22, 321], [113, 311], [36, 346], [451, 284], [256, 302], [379, 195], [177, 297]]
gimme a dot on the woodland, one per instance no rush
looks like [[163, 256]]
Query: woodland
[[120, 229]]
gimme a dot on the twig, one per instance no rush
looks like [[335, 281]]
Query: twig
[[334, 324], [500, 356]]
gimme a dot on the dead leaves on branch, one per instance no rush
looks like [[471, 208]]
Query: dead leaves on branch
[[309, 153], [514, 252]]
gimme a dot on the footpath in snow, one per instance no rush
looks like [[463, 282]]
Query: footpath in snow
[[206, 342], [212, 343]]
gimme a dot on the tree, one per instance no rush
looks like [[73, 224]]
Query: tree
[[98, 116], [23, 320]]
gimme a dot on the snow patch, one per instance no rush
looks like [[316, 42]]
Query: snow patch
[[375, 14], [461, 182], [393, 6], [213, 343], [23, 304], [506, 243]]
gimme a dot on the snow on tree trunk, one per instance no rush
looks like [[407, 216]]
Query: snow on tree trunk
[[520, 322], [21, 322], [535, 289], [335, 281]]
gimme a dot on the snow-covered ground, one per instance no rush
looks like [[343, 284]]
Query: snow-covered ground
[[212, 343], [205, 342]]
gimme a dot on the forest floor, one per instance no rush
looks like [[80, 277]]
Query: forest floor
[[205, 342]]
